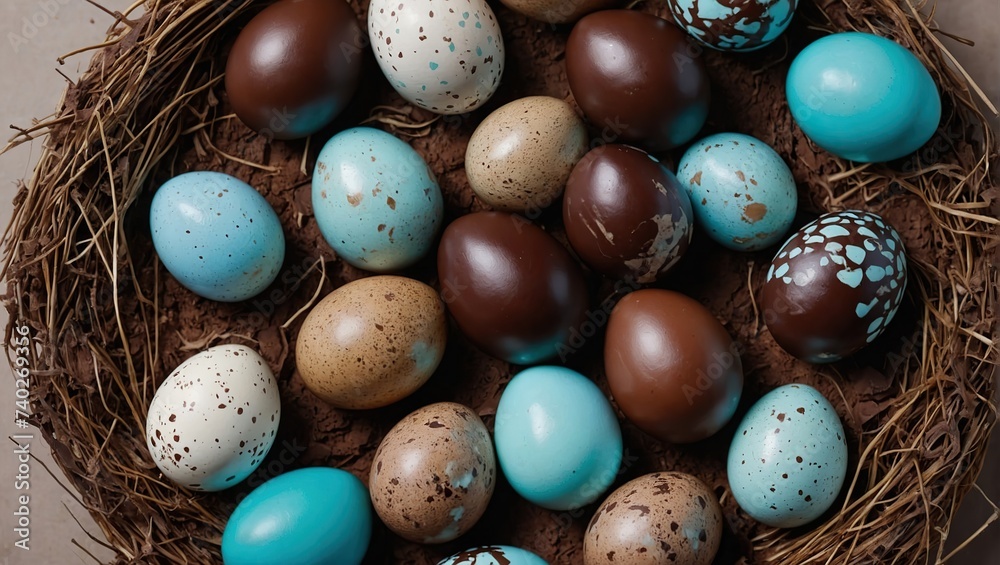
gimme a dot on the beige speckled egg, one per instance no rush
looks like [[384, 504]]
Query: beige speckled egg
[[656, 519], [372, 342], [558, 11], [520, 156], [433, 474]]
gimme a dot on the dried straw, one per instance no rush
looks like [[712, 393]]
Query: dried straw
[[68, 263]]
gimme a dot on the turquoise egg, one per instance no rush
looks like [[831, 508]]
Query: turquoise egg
[[311, 516], [788, 460], [376, 201], [863, 97], [494, 555], [557, 438], [742, 192], [216, 235]]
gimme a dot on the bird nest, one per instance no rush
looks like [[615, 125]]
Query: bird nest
[[84, 285]]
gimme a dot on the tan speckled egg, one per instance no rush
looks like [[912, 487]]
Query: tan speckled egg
[[372, 342], [657, 519], [433, 474], [558, 11], [520, 156]]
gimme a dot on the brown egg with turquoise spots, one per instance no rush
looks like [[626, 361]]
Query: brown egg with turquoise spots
[[433, 475], [656, 519], [834, 286]]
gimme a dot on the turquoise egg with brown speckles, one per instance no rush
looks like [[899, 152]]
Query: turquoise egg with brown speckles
[[788, 459], [728, 25], [434, 473], [372, 342], [742, 192], [494, 555], [376, 201]]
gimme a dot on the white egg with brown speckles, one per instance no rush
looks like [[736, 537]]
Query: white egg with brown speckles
[[656, 519], [520, 156], [742, 192], [788, 460], [446, 56], [372, 342], [433, 475], [214, 418]]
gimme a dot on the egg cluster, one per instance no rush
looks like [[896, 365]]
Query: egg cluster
[[518, 293]]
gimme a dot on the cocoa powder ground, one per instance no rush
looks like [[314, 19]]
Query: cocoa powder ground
[[748, 96]]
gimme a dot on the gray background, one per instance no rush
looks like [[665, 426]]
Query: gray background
[[30, 88]]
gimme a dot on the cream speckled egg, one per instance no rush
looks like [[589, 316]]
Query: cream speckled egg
[[656, 519], [520, 156], [372, 342], [558, 11], [214, 418], [446, 56], [433, 474]]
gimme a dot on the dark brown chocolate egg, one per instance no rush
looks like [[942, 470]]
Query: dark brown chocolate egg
[[637, 78], [512, 289], [671, 366], [834, 286], [295, 66], [626, 215]]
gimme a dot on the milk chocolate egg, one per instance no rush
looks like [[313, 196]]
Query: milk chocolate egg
[[557, 11], [372, 342], [656, 519], [733, 25], [295, 66], [636, 78], [834, 286], [671, 366], [433, 474], [512, 289], [520, 156], [626, 215]]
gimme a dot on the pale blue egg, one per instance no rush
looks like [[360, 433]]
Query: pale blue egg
[[376, 201], [557, 438], [863, 97], [311, 516], [494, 555], [742, 192], [217, 235], [788, 460]]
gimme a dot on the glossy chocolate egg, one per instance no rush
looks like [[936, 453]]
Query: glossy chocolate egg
[[295, 66], [834, 286], [636, 77], [671, 366], [557, 11], [733, 25], [626, 215], [512, 289]]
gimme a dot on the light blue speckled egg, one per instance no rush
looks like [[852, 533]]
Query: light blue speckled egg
[[446, 56], [742, 192], [557, 438], [744, 25], [376, 201], [863, 97], [494, 555], [309, 516], [217, 235], [788, 460]]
